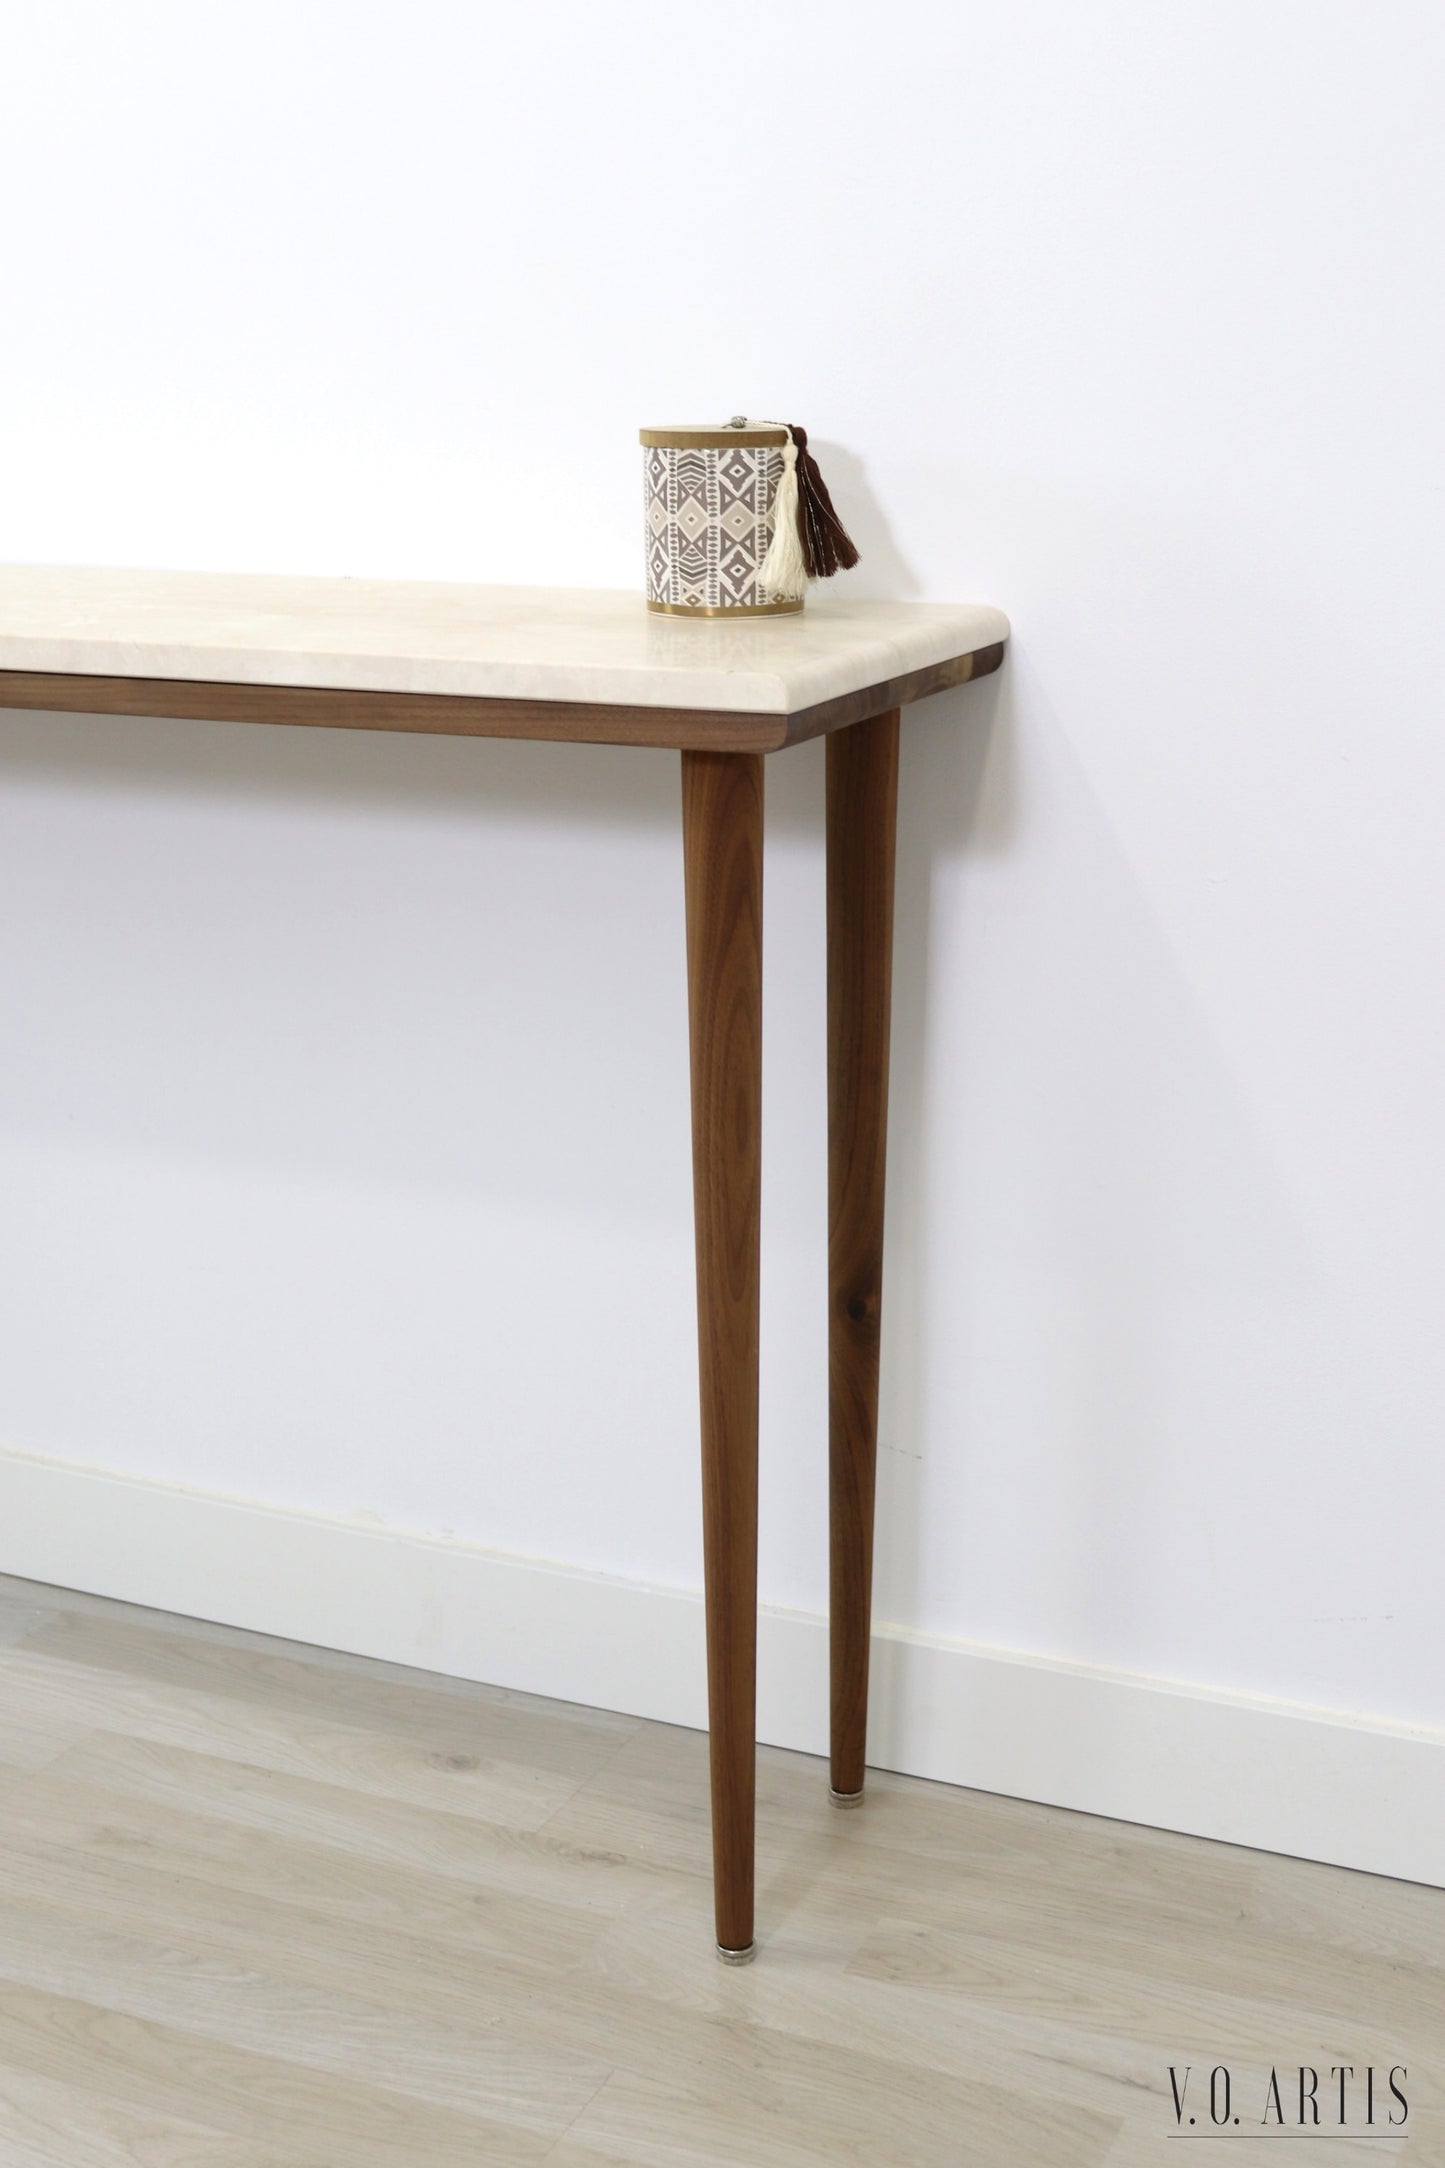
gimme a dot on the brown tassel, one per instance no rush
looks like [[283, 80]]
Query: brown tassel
[[826, 545]]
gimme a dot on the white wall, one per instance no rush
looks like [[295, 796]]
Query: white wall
[[343, 1090]]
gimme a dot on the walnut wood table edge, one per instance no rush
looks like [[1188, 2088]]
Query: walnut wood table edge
[[574, 722]]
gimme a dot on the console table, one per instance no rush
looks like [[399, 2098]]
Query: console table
[[596, 667]]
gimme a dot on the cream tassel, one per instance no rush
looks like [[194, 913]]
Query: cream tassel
[[784, 571]]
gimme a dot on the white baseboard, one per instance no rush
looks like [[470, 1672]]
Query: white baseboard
[[1273, 1775]]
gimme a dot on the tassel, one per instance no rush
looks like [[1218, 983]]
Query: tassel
[[809, 540], [784, 571], [827, 547]]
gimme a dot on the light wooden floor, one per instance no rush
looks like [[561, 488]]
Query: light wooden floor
[[263, 1904]]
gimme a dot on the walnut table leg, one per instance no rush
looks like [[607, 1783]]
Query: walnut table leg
[[722, 827], [861, 823]]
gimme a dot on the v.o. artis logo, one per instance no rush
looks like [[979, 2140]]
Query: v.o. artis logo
[[1299, 2099]]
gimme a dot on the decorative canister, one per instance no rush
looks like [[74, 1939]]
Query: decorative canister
[[737, 519]]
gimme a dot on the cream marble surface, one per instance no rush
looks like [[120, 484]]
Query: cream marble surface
[[522, 643]]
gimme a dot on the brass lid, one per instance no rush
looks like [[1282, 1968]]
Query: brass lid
[[714, 436]]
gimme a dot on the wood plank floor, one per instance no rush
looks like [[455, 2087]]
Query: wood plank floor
[[263, 1904]]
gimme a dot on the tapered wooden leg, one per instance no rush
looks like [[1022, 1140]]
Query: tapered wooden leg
[[862, 819], [722, 829]]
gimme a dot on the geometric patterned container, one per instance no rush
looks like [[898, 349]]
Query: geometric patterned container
[[708, 501]]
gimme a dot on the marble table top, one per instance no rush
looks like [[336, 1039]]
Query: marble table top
[[510, 643]]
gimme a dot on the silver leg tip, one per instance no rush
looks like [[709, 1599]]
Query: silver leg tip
[[846, 1799], [738, 1957]]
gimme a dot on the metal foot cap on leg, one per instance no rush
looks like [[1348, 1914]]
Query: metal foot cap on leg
[[846, 1799], [738, 1957]]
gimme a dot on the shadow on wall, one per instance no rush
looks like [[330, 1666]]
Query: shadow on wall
[[958, 793], [411, 775], [366, 960], [885, 572], [1089, 1232], [1097, 1256], [458, 965]]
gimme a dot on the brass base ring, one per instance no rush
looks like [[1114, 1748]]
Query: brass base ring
[[731, 609]]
